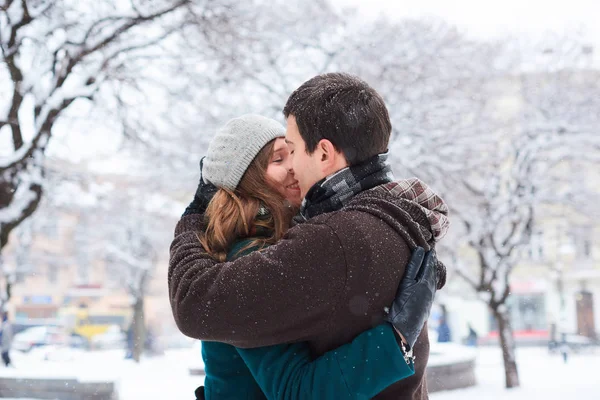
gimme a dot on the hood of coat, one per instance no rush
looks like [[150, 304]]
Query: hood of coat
[[412, 209]]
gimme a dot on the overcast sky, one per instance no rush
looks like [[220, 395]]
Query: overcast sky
[[488, 19]]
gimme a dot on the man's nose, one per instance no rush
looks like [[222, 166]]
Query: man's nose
[[289, 166]]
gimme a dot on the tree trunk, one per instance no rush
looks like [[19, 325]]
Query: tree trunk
[[5, 284], [9, 185], [507, 343], [139, 329], [7, 293]]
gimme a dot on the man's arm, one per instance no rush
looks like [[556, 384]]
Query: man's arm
[[283, 294]]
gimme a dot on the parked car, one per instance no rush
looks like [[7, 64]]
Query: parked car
[[113, 338], [39, 336]]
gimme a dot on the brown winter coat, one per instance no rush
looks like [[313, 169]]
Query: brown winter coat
[[325, 282]]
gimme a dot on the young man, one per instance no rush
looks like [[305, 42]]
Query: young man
[[333, 274]]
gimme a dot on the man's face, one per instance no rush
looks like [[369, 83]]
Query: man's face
[[307, 168]]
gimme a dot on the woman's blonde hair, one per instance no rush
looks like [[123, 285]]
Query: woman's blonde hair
[[234, 214]]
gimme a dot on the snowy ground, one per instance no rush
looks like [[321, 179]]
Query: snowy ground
[[160, 377], [542, 375]]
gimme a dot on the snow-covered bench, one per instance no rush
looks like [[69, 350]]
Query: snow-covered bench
[[451, 366], [56, 388]]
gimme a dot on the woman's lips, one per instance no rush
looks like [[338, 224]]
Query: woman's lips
[[293, 186]]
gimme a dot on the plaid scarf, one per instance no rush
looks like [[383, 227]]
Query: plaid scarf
[[334, 191], [259, 230], [432, 205]]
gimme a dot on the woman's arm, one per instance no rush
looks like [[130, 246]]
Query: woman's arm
[[227, 376], [357, 370]]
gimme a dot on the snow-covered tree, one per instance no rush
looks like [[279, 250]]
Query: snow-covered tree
[[553, 123], [290, 43], [64, 58], [131, 257], [22, 263], [124, 228], [474, 121]]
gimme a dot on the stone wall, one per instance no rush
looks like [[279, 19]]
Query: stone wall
[[456, 375]]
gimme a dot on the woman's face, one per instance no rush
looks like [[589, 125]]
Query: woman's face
[[280, 173]]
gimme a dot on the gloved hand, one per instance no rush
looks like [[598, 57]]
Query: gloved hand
[[204, 193], [414, 297], [199, 392]]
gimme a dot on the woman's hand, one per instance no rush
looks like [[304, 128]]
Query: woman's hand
[[204, 193], [414, 297]]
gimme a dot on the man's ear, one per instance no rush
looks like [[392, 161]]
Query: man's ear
[[330, 159]]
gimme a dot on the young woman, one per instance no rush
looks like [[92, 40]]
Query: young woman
[[249, 162]]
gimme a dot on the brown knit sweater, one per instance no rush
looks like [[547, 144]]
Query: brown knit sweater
[[325, 282]]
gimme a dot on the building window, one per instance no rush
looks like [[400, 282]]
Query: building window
[[52, 272], [581, 238], [587, 248], [527, 312], [536, 246], [20, 276], [83, 264], [83, 273]]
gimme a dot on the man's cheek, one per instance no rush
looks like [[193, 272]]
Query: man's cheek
[[295, 166]]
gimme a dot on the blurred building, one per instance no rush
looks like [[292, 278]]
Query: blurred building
[[555, 286], [62, 274]]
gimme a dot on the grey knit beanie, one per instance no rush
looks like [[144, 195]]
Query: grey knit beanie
[[234, 147]]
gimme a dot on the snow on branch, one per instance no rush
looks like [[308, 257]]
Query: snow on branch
[[60, 52]]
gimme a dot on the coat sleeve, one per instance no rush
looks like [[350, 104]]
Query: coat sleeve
[[360, 369], [226, 373], [285, 293]]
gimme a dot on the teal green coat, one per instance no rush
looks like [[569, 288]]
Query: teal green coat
[[357, 370]]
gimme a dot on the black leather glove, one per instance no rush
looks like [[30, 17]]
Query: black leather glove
[[199, 392], [204, 193], [414, 297]]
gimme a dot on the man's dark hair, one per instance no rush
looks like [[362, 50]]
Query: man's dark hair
[[343, 109]]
